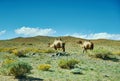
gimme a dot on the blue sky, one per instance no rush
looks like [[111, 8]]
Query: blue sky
[[89, 19]]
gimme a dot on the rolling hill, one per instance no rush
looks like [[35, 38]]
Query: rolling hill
[[93, 63]]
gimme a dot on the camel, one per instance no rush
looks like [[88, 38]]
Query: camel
[[86, 45], [57, 44]]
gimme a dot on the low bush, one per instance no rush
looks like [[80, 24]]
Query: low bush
[[19, 53], [16, 69], [5, 65], [102, 53], [68, 64], [7, 61], [116, 53], [44, 67], [104, 56], [8, 58], [9, 50]]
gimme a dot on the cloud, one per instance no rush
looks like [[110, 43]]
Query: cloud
[[28, 31], [2, 32], [103, 35]]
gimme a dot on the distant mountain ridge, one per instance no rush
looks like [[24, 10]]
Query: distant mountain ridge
[[51, 38]]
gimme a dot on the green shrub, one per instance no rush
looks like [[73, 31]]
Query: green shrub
[[19, 53], [9, 50], [44, 67], [7, 61], [68, 64], [116, 53], [102, 53], [16, 69], [5, 65], [103, 56]]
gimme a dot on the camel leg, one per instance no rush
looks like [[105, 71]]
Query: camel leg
[[55, 47], [84, 50], [63, 49]]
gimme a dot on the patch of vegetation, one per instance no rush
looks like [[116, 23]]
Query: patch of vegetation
[[19, 53], [7, 49], [39, 53], [36, 50], [67, 64], [44, 67], [116, 53], [105, 55], [17, 69], [48, 51], [8, 61]]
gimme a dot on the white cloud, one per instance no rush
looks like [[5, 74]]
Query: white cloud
[[2, 32], [103, 35], [28, 31]]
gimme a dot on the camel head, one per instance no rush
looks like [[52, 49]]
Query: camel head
[[79, 42]]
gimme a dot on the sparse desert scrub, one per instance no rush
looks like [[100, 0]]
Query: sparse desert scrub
[[44, 67], [16, 68], [37, 50], [7, 60], [19, 53], [6, 57], [100, 70], [67, 64], [116, 52], [7, 49], [48, 51], [20, 69], [103, 54]]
